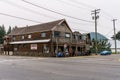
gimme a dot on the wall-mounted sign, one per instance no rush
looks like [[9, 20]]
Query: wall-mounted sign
[[65, 45], [33, 46]]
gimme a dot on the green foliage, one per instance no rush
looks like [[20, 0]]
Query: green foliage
[[14, 28], [2, 33], [117, 36], [9, 30], [102, 45]]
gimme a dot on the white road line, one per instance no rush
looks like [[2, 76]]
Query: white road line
[[1, 61], [119, 60], [12, 60]]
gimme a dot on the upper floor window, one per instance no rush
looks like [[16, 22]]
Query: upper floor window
[[23, 37], [29, 36], [14, 37], [43, 34], [57, 34], [83, 37], [67, 35], [63, 24]]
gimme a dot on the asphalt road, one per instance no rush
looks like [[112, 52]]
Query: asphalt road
[[76, 68]]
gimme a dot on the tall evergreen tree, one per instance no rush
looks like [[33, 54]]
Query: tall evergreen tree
[[9, 30], [14, 27], [2, 33], [117, 36]]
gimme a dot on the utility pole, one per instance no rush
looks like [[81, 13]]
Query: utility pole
[[95, 17], [115, 35]]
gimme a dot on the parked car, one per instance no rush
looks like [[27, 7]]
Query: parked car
[[105, 53], [60, 54]]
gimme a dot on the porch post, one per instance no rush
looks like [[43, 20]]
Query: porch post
[[52, 35]]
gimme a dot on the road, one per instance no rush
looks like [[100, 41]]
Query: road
[[72, 68]]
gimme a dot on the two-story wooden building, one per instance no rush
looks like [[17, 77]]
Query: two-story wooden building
[[45, 39]]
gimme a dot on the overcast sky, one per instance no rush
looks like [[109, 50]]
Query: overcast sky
[[76, 8]]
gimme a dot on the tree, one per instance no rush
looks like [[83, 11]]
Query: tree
[[2, 33], [9, 30], [117, 36], [102, 45], [14, 27]]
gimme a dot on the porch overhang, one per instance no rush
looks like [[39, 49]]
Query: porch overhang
[[32, 41]]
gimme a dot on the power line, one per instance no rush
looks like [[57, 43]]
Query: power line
[[107, 15], [83, 4], [92, 7], [109, 32], [19, 18], [81, 30], [31, 20], [56, 12], [77, 23], [70, 4], [30, 10]]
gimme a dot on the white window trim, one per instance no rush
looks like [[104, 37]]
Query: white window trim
[[23, 37], [29, 36], [67, 35], [43, 34]]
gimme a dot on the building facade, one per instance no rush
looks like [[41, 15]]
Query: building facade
[[45, 39]]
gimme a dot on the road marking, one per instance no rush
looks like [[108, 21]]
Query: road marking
[[12, 60], [119, 60]]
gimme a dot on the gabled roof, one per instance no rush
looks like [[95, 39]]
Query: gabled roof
[[99, 36], [37, 28], [77, 33]]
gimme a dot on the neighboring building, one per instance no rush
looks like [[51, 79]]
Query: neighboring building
[[81, 46], [45, 39], [113, 45], [90, 40], [99, 36], [91, 36]]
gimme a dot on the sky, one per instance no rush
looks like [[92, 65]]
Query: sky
[[80, 9]]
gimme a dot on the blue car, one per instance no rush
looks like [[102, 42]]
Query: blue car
[[105, 53], [60, 54]]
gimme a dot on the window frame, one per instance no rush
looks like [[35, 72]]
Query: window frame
[[14, 38], [29, 36], [67, 35], [22, 37], [56, 33], [43, 34]]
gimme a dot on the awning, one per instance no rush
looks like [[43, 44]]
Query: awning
[[32, 41]]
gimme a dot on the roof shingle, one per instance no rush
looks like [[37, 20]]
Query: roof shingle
[[35, 28]]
